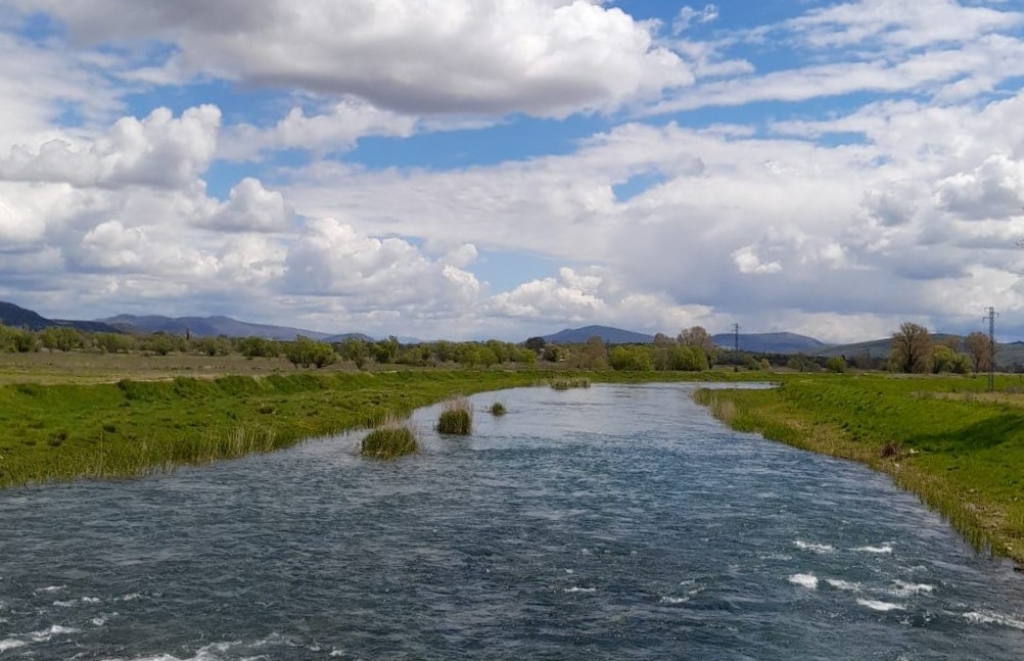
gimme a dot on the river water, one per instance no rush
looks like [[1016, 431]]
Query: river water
[[619, 522]]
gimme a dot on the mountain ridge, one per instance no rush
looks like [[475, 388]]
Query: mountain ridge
[[18, 317], [608, 335], [209, 326]]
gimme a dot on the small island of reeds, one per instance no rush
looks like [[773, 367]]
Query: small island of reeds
[[567, 383], [456, 418], [392, 440]]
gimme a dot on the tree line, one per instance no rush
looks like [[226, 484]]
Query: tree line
[[914, 351]]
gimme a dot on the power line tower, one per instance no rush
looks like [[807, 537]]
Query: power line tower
[[991, 318], [736, 337]]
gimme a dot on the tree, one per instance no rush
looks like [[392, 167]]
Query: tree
[[912, 349], [943, 359], [113, 342], [685, 358], [385, 351], [304, 351], [661, 340], [258, 347], [593, 355], [836, 364], [536, 343], [697, 337], [979, 348], [213, 346], [631, 358], [61, 338]]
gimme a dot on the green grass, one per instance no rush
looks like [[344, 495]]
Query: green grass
[[129, 428], [958, 448], [391, 441], [69, 416], [498, 409], [456, 418]]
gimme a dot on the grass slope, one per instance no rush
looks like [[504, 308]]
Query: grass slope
[[959, 449]]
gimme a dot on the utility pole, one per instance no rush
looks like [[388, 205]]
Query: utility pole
[[736, 337], [991, 317]]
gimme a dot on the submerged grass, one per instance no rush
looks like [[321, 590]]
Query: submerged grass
[[498, 409], [395, 439], [456, 418], [960, 451], [570, 382]]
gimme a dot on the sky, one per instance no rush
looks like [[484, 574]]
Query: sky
[[470, 169]]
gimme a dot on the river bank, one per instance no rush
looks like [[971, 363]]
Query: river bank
[[960, 450], [64, 431]]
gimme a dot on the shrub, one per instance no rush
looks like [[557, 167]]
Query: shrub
[[456, 418], [631, 358], [836, 364], [389, 442], [498, 409]]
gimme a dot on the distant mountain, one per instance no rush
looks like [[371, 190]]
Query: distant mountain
[[770, 342], [607, 334], [207, 327], [19, 317]]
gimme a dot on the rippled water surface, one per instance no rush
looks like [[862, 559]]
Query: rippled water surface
[[619, 522]]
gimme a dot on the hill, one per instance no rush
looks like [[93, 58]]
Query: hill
[[770, 342], [207, 327], [19, 317], [607, 334]]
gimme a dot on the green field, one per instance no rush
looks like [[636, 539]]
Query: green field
[[960, 449]]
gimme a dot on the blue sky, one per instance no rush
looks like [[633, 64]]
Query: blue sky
[[448, 168]]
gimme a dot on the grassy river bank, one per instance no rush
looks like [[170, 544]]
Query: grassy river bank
[[61, 431], [960, 449]]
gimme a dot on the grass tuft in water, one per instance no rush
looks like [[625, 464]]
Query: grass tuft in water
[[567, 383], [498, 409], [391, 441], [456, 418]]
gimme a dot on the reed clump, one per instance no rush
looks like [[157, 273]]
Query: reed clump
[[456, 418], [567, 383], [391, 441], [498, 409]]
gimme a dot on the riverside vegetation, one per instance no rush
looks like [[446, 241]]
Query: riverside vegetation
[[73, 414], [64, 431], [960, 449]]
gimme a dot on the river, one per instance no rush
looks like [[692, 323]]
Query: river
[[616, 522]]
